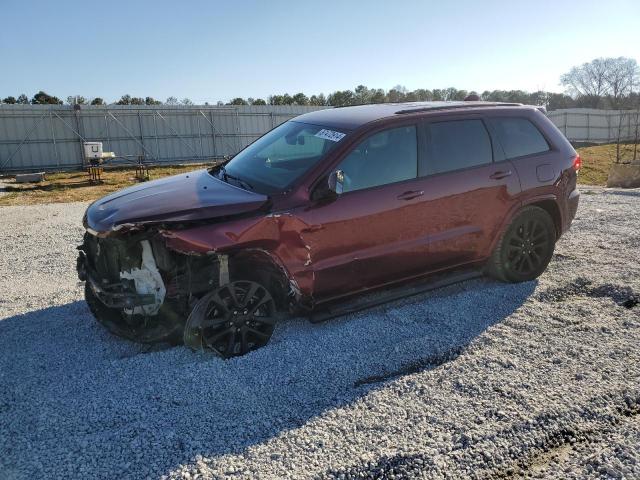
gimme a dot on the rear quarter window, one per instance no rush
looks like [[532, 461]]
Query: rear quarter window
[[518, 137]]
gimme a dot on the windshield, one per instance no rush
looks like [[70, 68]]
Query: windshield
[[275, 161]]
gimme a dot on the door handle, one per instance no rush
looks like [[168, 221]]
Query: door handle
[[410, 194], [499, 175]]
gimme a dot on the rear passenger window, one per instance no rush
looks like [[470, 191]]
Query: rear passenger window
[[518, 137], [457, 144]]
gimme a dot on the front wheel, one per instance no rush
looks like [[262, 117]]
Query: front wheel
[[526, 247], [232, 319]]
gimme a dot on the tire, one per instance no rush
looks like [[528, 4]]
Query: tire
[[232, 320], [525, 248], [167, 326]]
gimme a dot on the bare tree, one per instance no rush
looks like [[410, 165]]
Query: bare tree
[[636, 119], [636, 135], [612, 78], [621, 116], [621, 76], [587, 80], [171, 101]]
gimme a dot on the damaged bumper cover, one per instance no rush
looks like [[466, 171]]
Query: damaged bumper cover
[[139, 289], [113, 295]]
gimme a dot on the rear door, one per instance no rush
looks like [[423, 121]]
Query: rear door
[[468, 190]]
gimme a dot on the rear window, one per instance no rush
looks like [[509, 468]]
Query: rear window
[[457, 144], [519, 137]]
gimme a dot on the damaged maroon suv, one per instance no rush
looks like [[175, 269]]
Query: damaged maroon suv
[[330, 204]]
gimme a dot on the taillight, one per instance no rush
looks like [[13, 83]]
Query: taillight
[[577, 163]]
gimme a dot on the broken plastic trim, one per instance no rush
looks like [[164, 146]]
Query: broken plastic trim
[[148, 281], [113, 296]]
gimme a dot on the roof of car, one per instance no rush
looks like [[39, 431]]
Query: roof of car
[[350, 118]]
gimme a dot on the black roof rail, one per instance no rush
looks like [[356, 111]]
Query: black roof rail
[[458, 105]]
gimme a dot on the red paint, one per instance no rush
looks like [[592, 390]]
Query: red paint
[[372, 237]]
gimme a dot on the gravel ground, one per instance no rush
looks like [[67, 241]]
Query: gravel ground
[[480, 380]]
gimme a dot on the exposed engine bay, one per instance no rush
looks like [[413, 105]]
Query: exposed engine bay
[[143, 291]]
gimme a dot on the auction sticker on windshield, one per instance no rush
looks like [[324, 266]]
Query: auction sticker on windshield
[[330, 135]]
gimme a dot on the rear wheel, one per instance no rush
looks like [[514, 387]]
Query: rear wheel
[[526, 247]]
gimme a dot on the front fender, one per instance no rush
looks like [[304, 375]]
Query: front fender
[[279, 236]]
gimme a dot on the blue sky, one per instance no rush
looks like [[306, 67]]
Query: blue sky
[[217, 50]]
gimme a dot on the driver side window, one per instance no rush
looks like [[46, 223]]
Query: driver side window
[[385, 157]]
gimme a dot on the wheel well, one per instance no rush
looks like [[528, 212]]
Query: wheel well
[[258, 266], [551, 207]]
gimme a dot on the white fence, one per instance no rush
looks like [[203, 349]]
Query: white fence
[[34, 137], [38, 137], [596, 126]]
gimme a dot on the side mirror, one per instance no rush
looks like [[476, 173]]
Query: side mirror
[[336, 182]]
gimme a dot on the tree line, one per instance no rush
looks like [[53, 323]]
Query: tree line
[[359, 96], [601, 83], [43, 98]]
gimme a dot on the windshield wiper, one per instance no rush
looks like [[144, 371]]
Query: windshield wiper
[[243, 183]]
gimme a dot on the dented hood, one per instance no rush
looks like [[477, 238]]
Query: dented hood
[[185, 197]]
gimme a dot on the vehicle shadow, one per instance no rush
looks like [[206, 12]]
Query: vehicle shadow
[[73, 395]]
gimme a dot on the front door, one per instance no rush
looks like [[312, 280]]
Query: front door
[[359, 239]]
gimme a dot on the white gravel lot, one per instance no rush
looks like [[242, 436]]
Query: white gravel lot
[[482, 380]]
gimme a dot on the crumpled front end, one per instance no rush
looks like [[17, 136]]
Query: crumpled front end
[[141, 290], [153, 253]]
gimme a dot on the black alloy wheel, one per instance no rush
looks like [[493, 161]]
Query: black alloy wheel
[[525, 249], [232, 320]]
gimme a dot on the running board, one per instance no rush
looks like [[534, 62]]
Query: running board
[[397, 293]]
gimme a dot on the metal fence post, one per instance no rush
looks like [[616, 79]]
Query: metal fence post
[[79, 127], [213, 134], [106, 128], [141, 133], [53, 136], [239, 141], [155, 131], [200, 133]]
